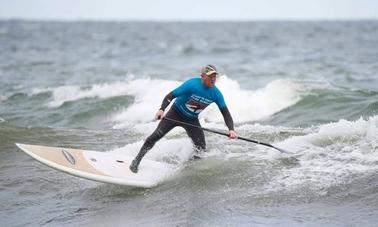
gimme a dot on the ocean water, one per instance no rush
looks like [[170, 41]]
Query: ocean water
[[308, 87]]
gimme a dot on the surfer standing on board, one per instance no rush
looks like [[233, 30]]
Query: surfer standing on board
[[193, 96]]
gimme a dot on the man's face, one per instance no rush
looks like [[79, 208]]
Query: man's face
[[209, 80]]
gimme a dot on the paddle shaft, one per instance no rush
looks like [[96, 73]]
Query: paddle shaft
[[225, 134]]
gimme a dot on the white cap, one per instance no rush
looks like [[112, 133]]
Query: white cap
[[208, 70]]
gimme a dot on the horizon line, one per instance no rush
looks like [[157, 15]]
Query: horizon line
[[188, 20]]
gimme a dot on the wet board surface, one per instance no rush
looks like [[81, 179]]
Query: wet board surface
[[100, 166]]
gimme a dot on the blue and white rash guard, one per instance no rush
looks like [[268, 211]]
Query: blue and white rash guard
[[193, 96]]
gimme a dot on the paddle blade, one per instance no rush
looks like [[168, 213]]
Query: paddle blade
[[282, 150]]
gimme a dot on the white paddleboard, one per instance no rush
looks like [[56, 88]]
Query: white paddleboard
[[100, 166]]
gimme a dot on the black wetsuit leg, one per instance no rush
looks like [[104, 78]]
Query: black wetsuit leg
[[163, 128], [196, 134]]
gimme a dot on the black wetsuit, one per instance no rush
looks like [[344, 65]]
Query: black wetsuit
[[195, 133]]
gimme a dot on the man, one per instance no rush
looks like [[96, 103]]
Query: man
[[192, 97]]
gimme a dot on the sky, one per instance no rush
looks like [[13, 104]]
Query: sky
[[189, 10]]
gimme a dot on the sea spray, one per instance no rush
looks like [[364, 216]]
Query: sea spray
[[335, 153]]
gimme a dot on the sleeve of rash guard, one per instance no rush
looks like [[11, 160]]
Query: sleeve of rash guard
[[227, 118], [225, 112], [166, 101]]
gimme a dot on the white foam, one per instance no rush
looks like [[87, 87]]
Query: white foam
[[36, 91], [251, 105], [332, 155], [173, 151], [143, 89], [3, 98], [102, 91], [244, 105], [148, 96]]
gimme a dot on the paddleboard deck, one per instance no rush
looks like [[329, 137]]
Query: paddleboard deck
[[100, 166]]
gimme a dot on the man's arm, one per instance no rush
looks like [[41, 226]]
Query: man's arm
[[166, 101], [182, 89], [227, 118], [229, 122]]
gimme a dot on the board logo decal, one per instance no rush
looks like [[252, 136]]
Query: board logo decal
[[69, 157]]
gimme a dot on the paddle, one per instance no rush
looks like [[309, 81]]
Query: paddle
[[225, 134]]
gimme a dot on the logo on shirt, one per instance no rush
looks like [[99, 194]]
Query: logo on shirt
[[197, 103]]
